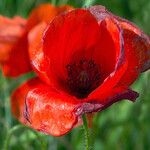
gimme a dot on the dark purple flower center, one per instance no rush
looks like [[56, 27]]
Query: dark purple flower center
[[83, 77]]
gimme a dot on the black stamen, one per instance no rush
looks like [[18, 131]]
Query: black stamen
[[83, 77]]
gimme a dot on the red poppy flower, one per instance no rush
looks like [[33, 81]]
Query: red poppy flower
[[85, 60], [13, 46], [14, 59]]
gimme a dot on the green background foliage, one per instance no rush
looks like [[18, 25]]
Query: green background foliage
[[123, 126]]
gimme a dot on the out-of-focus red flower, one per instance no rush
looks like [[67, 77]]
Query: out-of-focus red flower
[[14, 59], [86, 60], [13, 46]]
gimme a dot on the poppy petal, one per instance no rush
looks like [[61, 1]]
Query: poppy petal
[[44, 109], [95, 104], [18, 98], [136, 45], [11, 31], [121, 63], [40, 15], [137, 51], [64, 8], [15, 67], [45, 13], [109, 83], [119, 94], [116, 78], [37, 58], [13, 44]]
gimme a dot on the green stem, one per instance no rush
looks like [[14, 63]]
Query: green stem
[[18, 127], [86, 132]]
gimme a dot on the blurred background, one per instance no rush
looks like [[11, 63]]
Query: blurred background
[[123, 126]]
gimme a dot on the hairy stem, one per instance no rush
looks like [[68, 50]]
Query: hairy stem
[[86, 132]]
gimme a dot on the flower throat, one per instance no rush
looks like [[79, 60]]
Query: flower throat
[[83, 77]]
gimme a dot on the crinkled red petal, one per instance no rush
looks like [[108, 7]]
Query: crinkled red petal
[[18, 98], [44, 109]]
